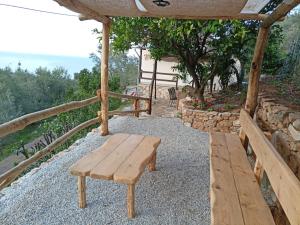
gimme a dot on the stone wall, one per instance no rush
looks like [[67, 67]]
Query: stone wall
[[283, 124], [209, 121]]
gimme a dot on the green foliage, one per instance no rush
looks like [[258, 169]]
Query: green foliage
[[204, 49], [291, 46]]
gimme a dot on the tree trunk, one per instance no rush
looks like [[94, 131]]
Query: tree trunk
[[240, 76], [199, 93], [211, 85]]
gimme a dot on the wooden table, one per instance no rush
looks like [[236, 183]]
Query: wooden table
[[122, 158]]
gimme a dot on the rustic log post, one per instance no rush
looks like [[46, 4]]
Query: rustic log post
[[81, 192], [130, 200], [136, 105], [148, 107], [152, 163], [254, 76], [104, 79], [140, 65], [258, 171], [152, 84]]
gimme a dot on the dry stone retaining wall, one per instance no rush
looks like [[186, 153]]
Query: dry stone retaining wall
[[209, 121]]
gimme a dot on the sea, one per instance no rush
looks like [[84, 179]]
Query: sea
[[31, 62]]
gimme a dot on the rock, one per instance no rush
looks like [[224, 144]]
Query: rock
[[294, 116], [295, 133], [296, 124], [236, 123], [187, 124]]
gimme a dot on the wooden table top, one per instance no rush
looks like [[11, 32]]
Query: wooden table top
[[121, 158]]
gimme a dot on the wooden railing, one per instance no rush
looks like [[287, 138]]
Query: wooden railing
[[23, 121]]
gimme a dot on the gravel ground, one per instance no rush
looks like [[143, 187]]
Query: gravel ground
[[177, 193]]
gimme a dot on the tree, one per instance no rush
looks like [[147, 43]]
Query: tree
[[193, 42], [8, 108]]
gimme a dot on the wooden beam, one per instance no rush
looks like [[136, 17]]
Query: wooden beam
[[104, 78], [23, 121], [284, 182], [86, 12], [12, 174], [254, 76], [102, 19], [282, 10]]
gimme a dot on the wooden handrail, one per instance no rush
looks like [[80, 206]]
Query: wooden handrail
[[23, 121], [160, 73], [111, 113], [117, 95], [12, 174]]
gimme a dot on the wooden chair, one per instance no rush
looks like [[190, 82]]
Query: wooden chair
[[172, 95], [236, 198]]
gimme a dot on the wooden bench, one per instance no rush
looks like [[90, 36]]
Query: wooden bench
[[122, 158], [235, 193]]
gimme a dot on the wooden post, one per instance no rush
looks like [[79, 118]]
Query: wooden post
[[155, 89], [152, 164], [152, 83], [130, 201], [104, 79], [81, 192], [258, 171], [254, 76], [136, 106], [140, 64]]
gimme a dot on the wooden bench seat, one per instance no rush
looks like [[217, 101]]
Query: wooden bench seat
[[236, 198], [122, 158]]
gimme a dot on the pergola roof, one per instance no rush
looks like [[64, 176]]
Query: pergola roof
[[183, 9]]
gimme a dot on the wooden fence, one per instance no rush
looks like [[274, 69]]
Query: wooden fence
[[23, 121]]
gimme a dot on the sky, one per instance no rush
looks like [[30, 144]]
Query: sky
[[39, 33]]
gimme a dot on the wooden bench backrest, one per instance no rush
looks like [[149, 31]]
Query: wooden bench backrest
[[284, 183]]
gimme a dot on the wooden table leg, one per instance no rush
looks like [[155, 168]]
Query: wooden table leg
[[152, 164], [130, 200], [81, 192]]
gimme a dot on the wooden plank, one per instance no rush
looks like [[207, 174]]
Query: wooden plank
[[83, 166], [112, 162], [131, 169], [225, 206], [12, 174], [284, 183], [23, 121], [104, 78], [254, 208]]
